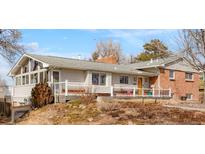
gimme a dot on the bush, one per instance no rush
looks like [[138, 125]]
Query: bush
[[41, 95], [88, 98]]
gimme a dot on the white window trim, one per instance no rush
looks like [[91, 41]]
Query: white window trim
[[100, 73], [25, 79], [173, 75], [59, 75], [127, 79], [189, 79]]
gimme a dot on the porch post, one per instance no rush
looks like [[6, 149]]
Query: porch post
[[66, 87], [153, 91], [170, 94], [111, 90], [134, 91]]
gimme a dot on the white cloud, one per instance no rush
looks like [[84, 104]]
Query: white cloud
[[32, 46]]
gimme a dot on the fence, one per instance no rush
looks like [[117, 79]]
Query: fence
[[5, 106]]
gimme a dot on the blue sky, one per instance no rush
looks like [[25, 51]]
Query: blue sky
[[71, 43]]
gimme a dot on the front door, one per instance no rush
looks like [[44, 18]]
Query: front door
[[139, 84]]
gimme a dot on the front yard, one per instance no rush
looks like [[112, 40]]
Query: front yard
[[77, 112]]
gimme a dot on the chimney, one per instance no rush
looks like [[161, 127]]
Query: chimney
[[109, 60]]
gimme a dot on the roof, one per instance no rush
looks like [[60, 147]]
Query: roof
[[61, 62], [156, 62], [135, 68]]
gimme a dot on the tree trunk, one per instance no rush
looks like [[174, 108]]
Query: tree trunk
[[204, 87]]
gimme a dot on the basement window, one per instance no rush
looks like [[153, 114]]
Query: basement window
[[189, 96]]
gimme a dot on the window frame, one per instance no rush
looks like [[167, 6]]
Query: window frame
[[99, 79], [124, 80], [24, 79], [20, 81], [31, 80], [188, 79], [172, 78]]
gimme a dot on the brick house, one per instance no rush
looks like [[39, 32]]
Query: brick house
[[174, 73]]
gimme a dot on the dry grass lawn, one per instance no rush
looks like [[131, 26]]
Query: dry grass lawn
[[111, 113]]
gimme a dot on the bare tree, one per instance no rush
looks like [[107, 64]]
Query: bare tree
[[193, 46], [106, 49], [9, 44]]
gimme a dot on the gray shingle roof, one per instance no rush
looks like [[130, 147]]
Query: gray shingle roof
[[61, 62], [155, 62], [165, 62]]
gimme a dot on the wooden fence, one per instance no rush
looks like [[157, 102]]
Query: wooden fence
[[5, 106]]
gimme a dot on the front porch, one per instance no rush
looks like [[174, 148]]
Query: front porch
[[116, 90]]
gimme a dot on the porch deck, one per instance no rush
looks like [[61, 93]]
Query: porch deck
[[68, 89]]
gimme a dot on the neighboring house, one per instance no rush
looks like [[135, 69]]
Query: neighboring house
[[170, 77]]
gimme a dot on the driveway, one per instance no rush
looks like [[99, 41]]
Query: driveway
[[189, 106]]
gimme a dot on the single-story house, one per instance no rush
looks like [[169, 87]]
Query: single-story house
[[170, 77]]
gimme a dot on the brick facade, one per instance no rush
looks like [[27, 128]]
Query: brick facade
[[179, 85]]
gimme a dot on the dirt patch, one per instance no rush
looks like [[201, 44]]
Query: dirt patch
[[119, 113]]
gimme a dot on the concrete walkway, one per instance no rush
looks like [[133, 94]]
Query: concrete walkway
[[196, 107]]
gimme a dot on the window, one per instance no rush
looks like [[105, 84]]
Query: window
[[25, 68], [25, 79], [34, 65], [189, 96], [18, 80], [102, 79], [95, 78], [40, 65], [46, 76], [188, 76], [124, 79], [41, 77], [98, 79], [34, 78], [56, 76], [171, 74]]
